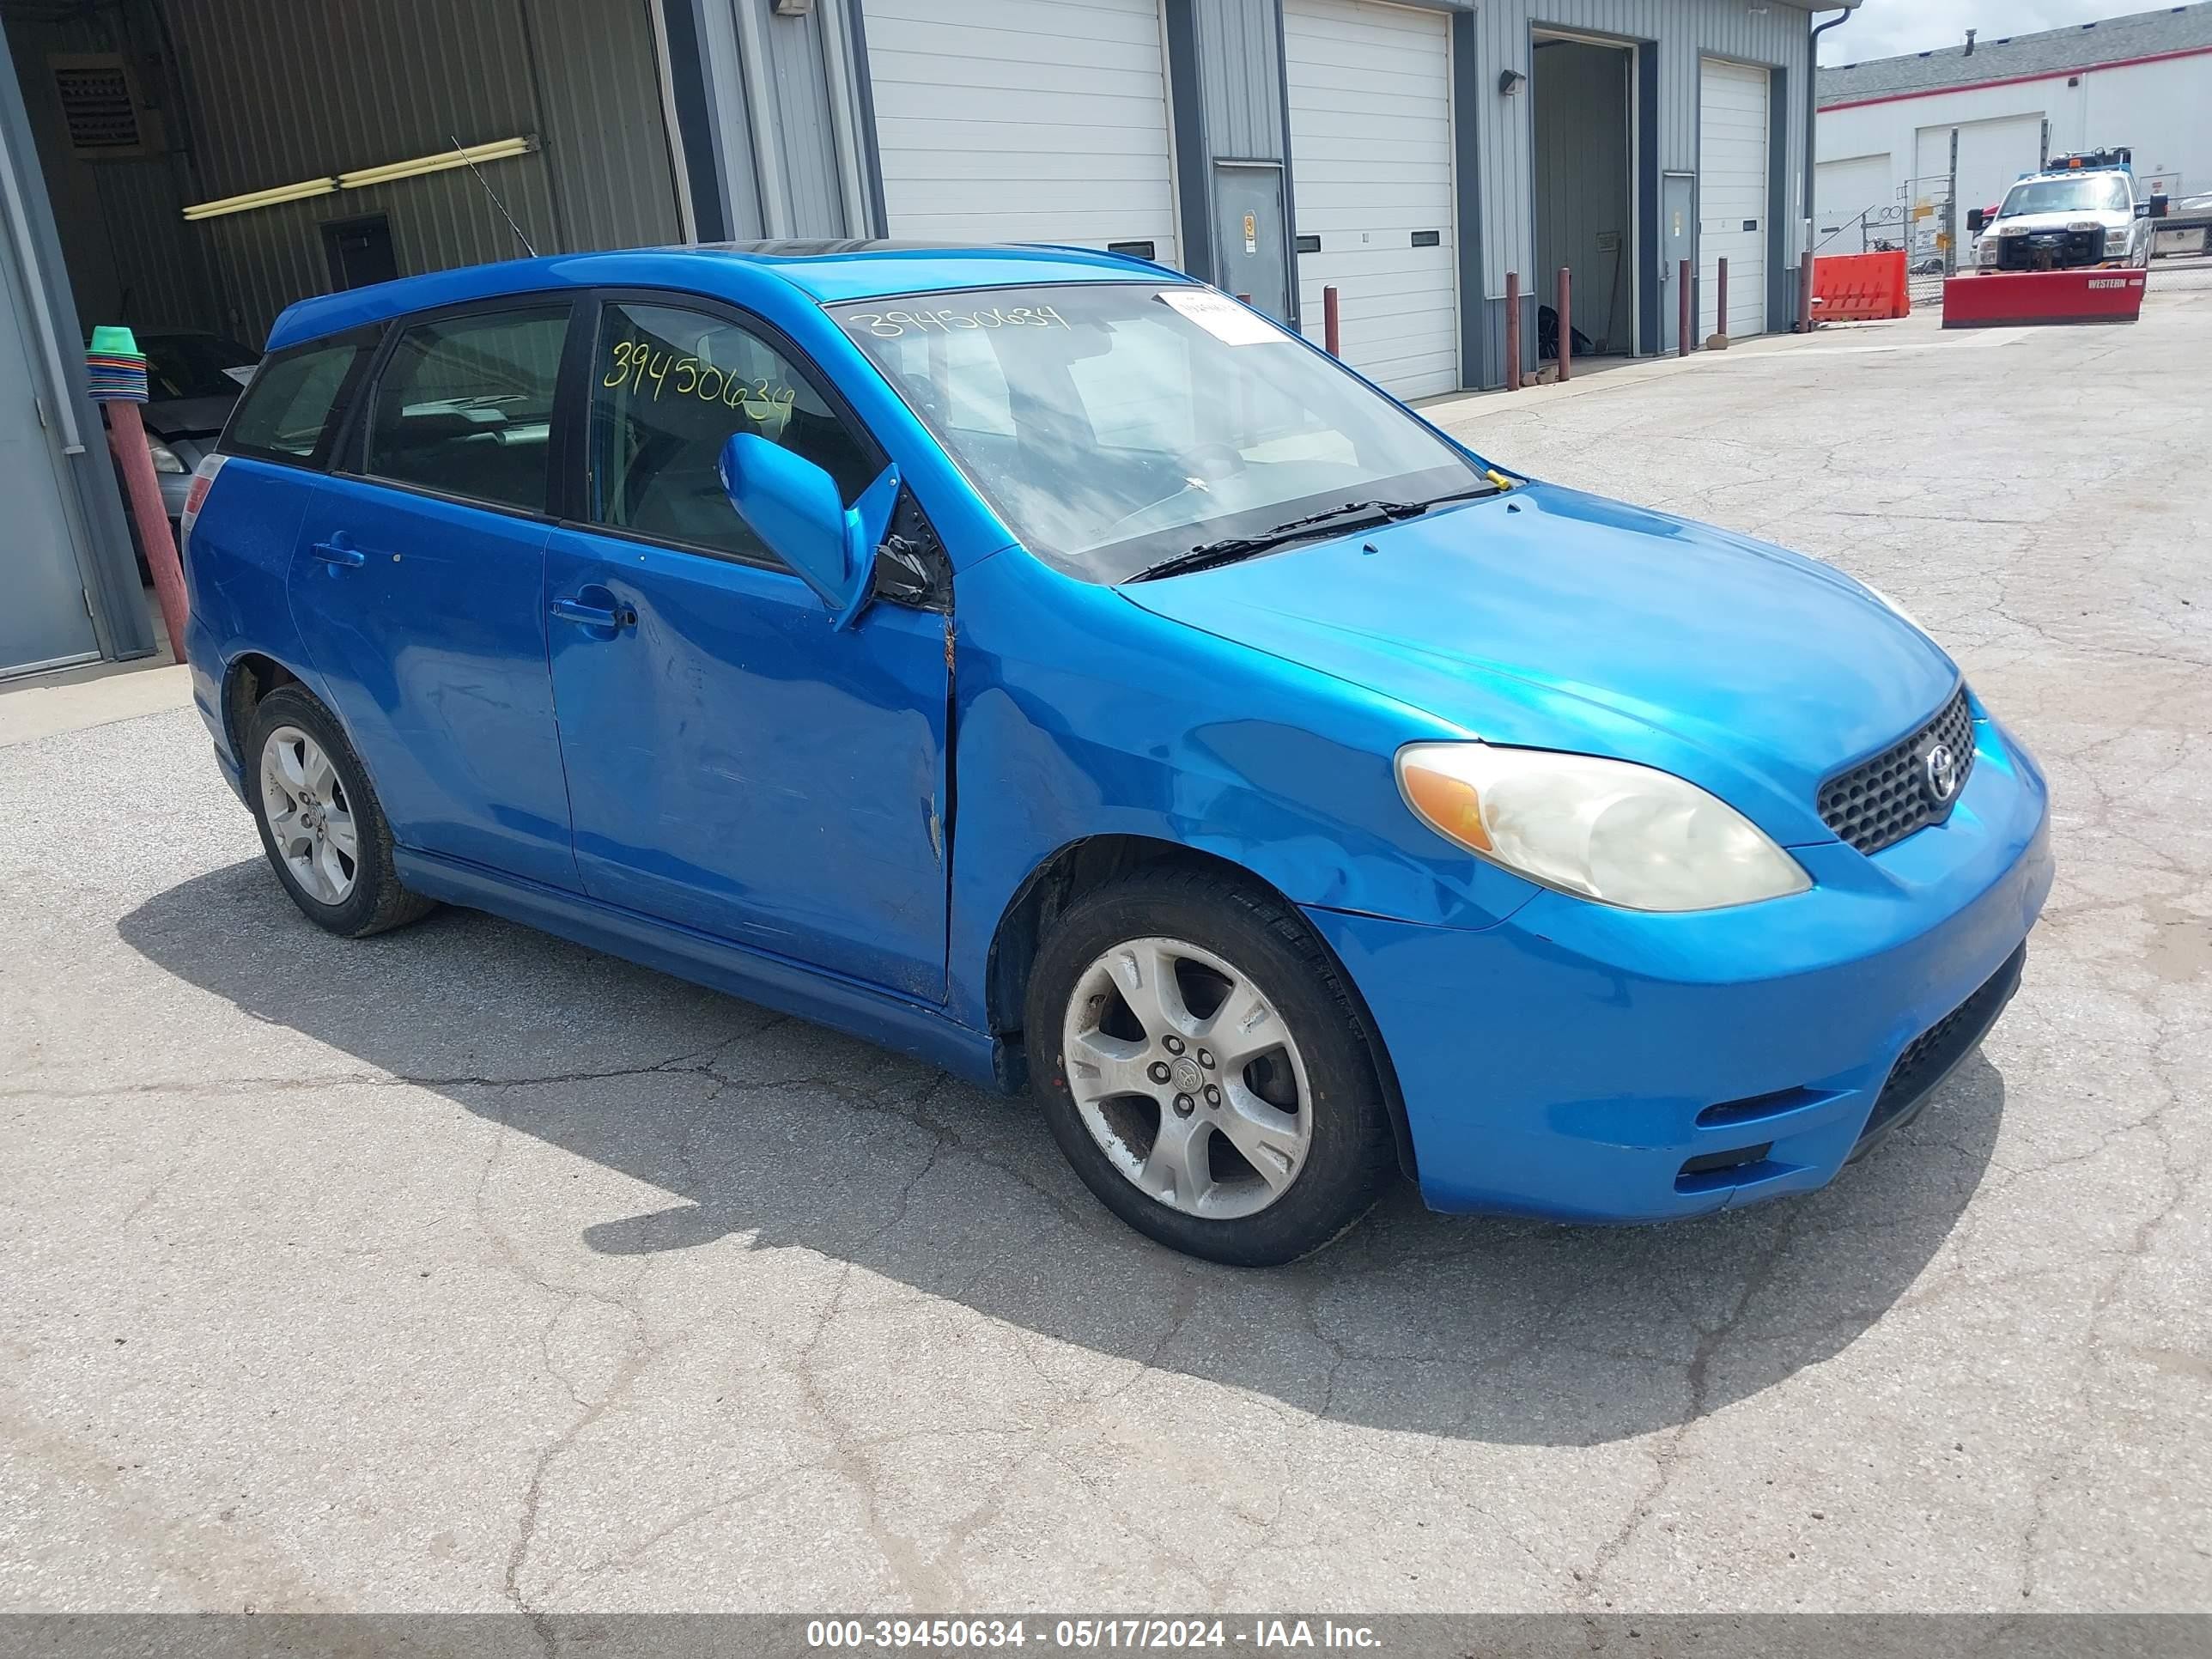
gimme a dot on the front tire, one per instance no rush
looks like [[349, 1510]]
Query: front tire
[[1205, 1070], [321, 826]]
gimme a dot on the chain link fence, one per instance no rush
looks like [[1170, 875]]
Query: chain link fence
[[1925, 221]]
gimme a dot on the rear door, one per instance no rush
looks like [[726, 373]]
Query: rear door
[[418, 585], [736, 764]]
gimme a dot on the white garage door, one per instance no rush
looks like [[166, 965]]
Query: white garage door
[[1992, 155], [1732, 195], [1372, 173], [1859, 191], [1013, 121]]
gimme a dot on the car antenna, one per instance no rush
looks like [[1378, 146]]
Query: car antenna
[[471, 163]]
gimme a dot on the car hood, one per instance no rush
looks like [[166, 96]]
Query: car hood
[[188, 417], [1553, 619]]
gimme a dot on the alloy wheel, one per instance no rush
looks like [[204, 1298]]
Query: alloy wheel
[[310, 817], [1187, 1078]]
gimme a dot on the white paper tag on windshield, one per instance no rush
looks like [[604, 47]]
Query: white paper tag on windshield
[[243, 374], [1222, 317]]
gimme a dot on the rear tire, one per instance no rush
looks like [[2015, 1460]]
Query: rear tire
[[1267, 1137], [321, 826]]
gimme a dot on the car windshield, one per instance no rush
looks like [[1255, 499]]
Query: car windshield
[[195, 365], [1113, 425], [2098, 192]]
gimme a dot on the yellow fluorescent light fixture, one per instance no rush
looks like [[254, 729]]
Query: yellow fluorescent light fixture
[[261, 198], [500, 150]]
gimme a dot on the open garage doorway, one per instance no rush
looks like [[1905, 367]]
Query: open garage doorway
[[209, 161], [1584, 156]]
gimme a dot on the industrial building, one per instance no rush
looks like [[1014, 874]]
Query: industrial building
[[1890, 129], [196, 165]]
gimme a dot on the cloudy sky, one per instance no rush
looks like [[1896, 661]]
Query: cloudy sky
[[1883, 28]]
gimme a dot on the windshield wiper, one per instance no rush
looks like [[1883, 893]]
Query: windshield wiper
[[1352, 516]]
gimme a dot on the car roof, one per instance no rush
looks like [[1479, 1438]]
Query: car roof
[[824, 272]]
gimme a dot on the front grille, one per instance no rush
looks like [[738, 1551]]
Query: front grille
[[1879, 802], [1931, 1056], [2050, 250]]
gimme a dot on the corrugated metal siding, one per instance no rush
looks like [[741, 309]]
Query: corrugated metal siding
[[127, 247], [1686, 31], [1240, 72], [606, 142]]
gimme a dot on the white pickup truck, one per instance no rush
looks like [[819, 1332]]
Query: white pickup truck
[[2081, 211]]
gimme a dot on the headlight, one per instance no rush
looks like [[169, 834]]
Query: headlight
[[165, 459], [1987, 253], [2116, 241], [1605, 830], [1896, 609]]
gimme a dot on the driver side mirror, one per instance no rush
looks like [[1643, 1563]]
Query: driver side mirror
[[1975, 220], [2160, 206], [793, 507]]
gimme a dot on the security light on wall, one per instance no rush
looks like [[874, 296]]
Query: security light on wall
[[1510, 82]]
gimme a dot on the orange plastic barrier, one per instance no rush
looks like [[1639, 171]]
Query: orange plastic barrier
[[1860, 288]]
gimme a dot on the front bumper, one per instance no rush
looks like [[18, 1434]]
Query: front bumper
[[1571, 1061]]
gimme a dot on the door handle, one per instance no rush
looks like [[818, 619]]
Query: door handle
[[595, 616], [340, 550]]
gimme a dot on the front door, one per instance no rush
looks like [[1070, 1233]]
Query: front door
[[1247, 225], [418, 585], [736, 764], [1678, 244]]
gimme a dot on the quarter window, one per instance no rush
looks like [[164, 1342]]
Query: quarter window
[[669, 388], [464, 406], [290, 401]]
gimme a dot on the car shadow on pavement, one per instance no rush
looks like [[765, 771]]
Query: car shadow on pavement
[[770, 1134]]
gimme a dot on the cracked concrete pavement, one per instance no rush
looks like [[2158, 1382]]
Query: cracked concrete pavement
[[465, 1269]]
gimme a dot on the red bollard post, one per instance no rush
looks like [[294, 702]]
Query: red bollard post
[[1512, 331], [1689, 312], [126, 436], [1720, 326], [1332, 322], [1566, 324], [1805, 297]]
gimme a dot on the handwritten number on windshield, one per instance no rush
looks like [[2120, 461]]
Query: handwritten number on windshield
[[890, 324]]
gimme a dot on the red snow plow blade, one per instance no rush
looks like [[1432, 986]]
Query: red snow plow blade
[[2000, 298]]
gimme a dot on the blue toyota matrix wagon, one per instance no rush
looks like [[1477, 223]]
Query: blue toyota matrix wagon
[[1040, 663]]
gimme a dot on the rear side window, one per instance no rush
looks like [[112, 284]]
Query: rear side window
[[464, 406], [288, 411], [669, 386]]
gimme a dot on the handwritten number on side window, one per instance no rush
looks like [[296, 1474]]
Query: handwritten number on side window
[[650, 373]]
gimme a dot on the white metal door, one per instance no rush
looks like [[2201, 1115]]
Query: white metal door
[[1372, 176], [1011, 121], [44, 622], [1733, 196]]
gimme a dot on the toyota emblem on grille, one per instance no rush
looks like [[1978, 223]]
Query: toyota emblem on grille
[[1941, 768]]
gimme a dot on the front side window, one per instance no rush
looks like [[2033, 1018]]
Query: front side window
[[292, 402], [1113, 425], [670, 386], [464, 406]]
